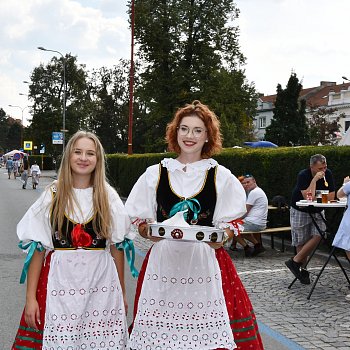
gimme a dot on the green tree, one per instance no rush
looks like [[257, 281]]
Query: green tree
[[289, 126], [185, 51], [111, 100], [234, 101], [14, 132], [3, 131], [46, 91], [324, 125]]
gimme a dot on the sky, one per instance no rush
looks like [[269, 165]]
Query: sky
[[277, 37]]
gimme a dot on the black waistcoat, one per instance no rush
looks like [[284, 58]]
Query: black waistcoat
[[66, 240], [167, 198]]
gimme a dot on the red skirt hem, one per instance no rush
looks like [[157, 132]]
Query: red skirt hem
[[30, 338]]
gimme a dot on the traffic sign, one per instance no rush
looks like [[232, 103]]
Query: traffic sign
[[28, 145], [57, 138]]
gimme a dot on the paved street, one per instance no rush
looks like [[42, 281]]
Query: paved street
[[286, 318]]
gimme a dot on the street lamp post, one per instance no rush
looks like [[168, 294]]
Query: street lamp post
[[345, 78], [22, 109], [131, 80], [64, 94]]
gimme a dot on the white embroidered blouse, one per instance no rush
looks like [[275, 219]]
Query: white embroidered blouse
[[35, 224], [186, 180]]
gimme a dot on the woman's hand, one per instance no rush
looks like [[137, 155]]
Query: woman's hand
[[216, 245], [228, 235], [145, 233], [126, 306], [144, 230], [32, 313]]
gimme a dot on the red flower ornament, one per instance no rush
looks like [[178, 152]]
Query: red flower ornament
[[80, 238]]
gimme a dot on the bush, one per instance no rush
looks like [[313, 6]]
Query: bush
[[275, 169], [45, 162]]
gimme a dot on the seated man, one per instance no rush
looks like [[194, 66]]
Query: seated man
[[256, 217], [305, 236]]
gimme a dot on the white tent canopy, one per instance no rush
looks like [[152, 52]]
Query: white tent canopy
[[10, 154]]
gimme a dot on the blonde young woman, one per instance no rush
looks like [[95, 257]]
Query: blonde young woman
[[75, 286], [189, 295]]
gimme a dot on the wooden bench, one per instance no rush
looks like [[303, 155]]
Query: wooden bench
[[271, 231]]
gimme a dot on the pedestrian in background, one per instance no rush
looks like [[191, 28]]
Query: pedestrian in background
[[35, 171], [75, 289], [9, 167], [25, 170], [15, 168]]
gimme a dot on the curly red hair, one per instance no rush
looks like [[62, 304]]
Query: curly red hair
[[210, 120], [241, 178]]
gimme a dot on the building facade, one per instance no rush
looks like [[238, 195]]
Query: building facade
[[327, 95]]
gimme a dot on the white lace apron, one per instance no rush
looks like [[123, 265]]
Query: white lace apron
[[181, 304], [84, 303]]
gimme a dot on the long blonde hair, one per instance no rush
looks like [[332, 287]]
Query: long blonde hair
[[64, 201]]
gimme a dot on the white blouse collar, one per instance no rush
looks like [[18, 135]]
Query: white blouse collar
[[201, 165]]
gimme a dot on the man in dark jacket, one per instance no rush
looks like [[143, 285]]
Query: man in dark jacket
[[305, 236]]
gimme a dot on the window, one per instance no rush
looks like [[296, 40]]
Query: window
[[262, 122], [347, 124]]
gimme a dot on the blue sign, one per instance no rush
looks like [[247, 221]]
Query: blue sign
[[57, 138]]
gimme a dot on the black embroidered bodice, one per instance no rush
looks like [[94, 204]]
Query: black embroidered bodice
[[167, 198], [66, 241]]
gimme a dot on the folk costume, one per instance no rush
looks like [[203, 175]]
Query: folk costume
[[79, 292], [189, 295], [342, 239]]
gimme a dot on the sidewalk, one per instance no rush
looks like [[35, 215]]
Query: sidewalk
[[321, 323], [49, 173]]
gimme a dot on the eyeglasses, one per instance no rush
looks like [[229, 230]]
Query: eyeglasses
[[197, 132]]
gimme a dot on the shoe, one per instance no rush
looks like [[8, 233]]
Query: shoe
[[258, 249], [23, 187], [294, 267], [233, 246], [347, 297], [304, 276], [248, 251]]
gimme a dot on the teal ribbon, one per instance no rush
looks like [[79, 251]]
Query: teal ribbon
[[186, 204], [128, 246], [31, 246]]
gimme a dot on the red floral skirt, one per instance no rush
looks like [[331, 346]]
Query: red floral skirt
[[242, 318], [30, 338]]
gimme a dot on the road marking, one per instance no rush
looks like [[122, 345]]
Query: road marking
[[283, 269], [289, 344]]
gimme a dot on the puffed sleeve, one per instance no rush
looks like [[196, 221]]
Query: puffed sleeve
[[141, 203], [35, 224], [231, 198], [120, 218]]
